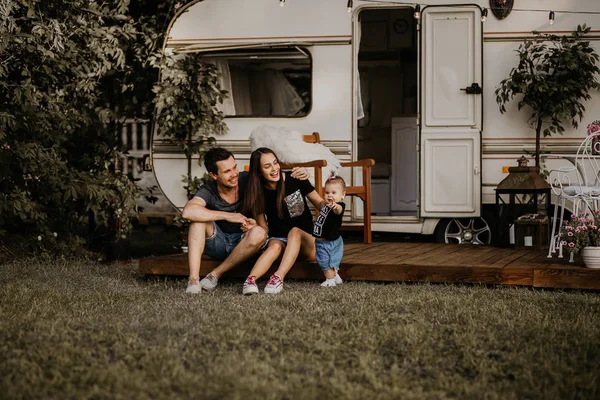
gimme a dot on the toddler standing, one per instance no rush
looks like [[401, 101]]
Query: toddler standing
[[328, 241]]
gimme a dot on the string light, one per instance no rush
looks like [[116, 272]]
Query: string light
[[484, 15], [409, 3], [551, 17], [281, 3], [417, 14], [349, 6]]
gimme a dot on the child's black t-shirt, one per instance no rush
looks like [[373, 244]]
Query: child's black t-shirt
[[327, 226], [295, 208]]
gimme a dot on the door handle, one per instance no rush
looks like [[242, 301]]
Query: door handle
[[473, 89], [476, 170]]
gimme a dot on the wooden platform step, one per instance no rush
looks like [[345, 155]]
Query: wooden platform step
[[419, 262]]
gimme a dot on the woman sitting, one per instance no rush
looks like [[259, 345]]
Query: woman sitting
[[278, 203]]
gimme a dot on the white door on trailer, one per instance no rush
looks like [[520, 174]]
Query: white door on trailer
[[451, 111]]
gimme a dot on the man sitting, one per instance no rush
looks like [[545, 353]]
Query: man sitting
[[217, 227]]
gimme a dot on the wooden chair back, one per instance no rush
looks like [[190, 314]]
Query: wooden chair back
[[361, 191]]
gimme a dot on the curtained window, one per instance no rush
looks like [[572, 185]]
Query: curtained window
[[273, 82]]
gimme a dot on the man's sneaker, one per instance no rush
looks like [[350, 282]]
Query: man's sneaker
[[209, 282], [338, 279], [275, 285], [193, 286], [250, 286]]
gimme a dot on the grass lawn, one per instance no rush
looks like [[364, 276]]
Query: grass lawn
[[89, 330]]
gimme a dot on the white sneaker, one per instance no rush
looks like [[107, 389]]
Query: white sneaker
[[209, 282], [328, 283], [193, 286], [275, 285], [250, 286], [338, 279]]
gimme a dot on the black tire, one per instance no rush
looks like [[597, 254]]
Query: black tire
[[478, 230]]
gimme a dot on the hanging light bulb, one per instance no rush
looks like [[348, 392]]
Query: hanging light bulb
[[417, 14], [349, 6], [551, 17], [484, 15], [281, 3]]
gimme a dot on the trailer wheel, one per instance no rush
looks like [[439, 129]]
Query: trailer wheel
[[464, 231]]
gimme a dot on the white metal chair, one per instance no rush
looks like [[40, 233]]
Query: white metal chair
[[578, 184]]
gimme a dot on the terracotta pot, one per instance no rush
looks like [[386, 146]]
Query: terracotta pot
[[591, 256]]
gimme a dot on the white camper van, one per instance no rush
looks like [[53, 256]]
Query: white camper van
[[414, 91]]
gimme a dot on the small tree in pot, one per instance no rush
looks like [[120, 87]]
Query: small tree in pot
[[554, 77]]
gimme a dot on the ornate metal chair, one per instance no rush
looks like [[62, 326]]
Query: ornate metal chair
[[578, 185]]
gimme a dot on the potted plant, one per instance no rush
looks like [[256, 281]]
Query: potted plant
[[553, 78], [582, 234]]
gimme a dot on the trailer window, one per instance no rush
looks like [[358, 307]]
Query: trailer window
[[265, 83]]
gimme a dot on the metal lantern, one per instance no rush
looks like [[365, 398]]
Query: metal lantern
[[523, 195]]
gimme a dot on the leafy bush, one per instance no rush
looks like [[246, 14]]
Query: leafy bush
[[57, 138]]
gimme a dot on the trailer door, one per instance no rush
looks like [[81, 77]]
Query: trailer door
[[451, 111]]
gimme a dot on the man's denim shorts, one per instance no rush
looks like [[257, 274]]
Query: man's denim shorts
[[329, 253], [221, 244]]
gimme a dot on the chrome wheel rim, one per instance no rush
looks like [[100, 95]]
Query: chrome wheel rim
[[468, 231]]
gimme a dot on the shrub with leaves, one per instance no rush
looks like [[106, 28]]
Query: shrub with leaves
[[57, 140], [554, 76]]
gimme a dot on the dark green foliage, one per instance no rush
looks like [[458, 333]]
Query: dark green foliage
[[554, 77], [57, 141]]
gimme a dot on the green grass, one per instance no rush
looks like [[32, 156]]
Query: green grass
[[88, 330]]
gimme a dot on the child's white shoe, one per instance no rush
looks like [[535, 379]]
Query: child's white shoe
[[338, 279], [328, 283]]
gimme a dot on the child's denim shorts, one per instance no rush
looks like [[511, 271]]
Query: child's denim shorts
[[220, 244], [330, 253]]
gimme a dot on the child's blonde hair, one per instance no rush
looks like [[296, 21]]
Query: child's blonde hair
[[336, 179]]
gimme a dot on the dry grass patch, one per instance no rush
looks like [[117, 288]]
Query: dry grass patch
[[87, 330]]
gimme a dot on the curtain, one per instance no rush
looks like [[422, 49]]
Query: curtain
[[360, 111], [284, 98], [228, 106]]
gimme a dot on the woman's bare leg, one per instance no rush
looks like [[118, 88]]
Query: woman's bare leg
[[300, 244], [267, 258]]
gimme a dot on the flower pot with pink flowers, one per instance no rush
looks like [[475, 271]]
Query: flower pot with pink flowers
[[582, 234]]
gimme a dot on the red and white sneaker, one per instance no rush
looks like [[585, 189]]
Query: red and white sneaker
[[275, 285], [250, 286]]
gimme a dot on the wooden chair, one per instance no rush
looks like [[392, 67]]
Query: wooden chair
[[363, 191]]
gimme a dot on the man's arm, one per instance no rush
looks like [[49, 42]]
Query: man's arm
[[195, 210]]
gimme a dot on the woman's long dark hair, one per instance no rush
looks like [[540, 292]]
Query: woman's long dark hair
[[254, 198]]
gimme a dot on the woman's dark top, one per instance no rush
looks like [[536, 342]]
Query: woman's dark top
[[295, 208]]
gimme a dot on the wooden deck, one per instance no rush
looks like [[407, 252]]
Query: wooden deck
[[422, 262]]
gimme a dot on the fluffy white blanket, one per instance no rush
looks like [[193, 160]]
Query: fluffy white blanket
[[291, 148]]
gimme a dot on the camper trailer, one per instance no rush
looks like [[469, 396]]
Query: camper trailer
[[409, 85]]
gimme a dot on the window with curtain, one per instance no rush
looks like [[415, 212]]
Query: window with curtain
[[273, 82]]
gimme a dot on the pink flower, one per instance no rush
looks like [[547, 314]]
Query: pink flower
[[564, 242], [569, 233], [571, 244]]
